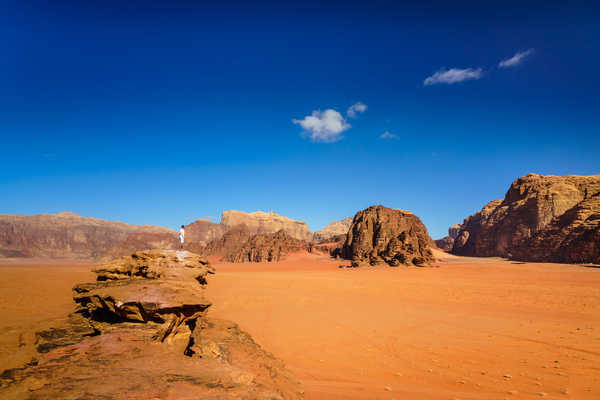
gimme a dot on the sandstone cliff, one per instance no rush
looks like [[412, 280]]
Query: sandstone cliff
[[240, 245], [262, 222], [68, 235], [142, 332], [384, 235], [541, 218], [267, 247], [333, 230], [201, 232], [446, 243]]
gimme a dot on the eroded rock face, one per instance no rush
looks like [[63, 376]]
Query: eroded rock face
[[267, 247], [262, 222], [141, 331], [454, 231], [384, 235], [202, 231], [541, 218], [68, 235], [445, 243], [333, 230]]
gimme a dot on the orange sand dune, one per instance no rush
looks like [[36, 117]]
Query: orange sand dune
[[470, 329]]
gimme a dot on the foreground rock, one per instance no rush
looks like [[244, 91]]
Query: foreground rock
[[391, 236], [68, 235], [141, 331], [541, 218]]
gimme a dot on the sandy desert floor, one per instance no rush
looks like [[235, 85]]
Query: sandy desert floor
[[470, 329]]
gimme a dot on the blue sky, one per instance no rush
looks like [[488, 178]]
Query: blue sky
[[162, 113]]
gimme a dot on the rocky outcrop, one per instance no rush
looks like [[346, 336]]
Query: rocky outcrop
[[239, 245], [541, 218], [333, 230], [68, 235], [141, 331], [202, 231], [454, 230], [383, 235], [262, 222], [446, 243], [267, 247]]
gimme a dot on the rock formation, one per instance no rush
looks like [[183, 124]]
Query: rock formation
[[262, 222], [201, 232], [541, 218], [141, 331], [239, 245], [454, 230], [267, 247], [384, 235], [68, 235], [446, 243], [333, 230]]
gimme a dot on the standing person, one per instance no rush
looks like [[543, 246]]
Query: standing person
[[181, 237]]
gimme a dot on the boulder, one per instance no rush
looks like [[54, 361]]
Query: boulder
[[381, 235]]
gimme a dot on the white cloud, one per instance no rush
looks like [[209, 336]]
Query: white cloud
[[324, 126], [453, 75], [388, 135], [516, 59], [357, 107]]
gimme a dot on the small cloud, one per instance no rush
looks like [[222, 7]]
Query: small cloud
[[324, 126], [357, 107], [388, 135], [516, 59], [453, 75]]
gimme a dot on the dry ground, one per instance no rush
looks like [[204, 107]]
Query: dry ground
[[470, 329]]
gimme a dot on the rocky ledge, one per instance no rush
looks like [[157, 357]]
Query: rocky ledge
[[141, 331]]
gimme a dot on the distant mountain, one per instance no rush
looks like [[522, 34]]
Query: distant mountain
[[333, 230], [263, 222], [68, 235]]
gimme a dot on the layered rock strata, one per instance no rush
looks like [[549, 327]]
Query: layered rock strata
[[381, 235], [141, 331]]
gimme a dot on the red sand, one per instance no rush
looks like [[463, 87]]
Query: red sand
[[471, 329]]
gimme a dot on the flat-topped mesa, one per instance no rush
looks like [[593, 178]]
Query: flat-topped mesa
[[541, 218], [263, 222], [383, 235]]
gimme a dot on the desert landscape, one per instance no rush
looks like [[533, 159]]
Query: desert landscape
[[299, 200], [378, 312]]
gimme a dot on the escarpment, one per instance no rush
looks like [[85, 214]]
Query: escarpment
[[541, 218]]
